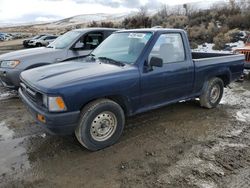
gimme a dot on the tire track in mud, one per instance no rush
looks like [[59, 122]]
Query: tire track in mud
[[216, 162]]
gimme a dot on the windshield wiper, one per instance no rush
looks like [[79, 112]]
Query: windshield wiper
[[112, 61], [92, 56]]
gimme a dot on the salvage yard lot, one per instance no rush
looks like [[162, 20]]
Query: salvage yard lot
[[181, 145]]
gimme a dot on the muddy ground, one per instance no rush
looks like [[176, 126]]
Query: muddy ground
[[181, 145]]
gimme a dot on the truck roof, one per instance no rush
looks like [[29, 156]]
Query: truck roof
[[95, 29], [152, 30]]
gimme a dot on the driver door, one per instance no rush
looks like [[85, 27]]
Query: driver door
[[174, 79]]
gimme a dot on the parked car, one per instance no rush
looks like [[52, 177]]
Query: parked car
[[79, 42], [246, 51], [5, 36], [42, 41], [26, 41], [132, 71]]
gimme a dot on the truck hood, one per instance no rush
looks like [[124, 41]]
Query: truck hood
[[27, 53], [51, 77]]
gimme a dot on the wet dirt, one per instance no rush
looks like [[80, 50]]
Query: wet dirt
[[181, 145]]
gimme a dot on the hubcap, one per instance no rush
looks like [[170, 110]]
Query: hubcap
[[215, 93], [103, 126]]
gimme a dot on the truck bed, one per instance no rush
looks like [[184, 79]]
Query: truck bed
[[206, 64], [202, 59], [197, 56]]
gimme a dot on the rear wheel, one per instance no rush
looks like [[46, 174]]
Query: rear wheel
[[101, 124], [38, 45], [212, 93]]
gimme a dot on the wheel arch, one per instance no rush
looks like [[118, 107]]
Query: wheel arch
[[119, 99], [225, 78], [224, 75]]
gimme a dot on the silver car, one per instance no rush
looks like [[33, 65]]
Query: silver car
[[42, 41], [73, 44]]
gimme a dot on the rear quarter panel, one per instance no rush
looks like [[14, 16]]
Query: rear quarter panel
[[231, 67]]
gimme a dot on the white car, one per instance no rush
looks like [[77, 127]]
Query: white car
[[42, 41]]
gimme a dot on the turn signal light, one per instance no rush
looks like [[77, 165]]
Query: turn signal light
[[41, 118]]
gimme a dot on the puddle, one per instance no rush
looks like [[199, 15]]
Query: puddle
[[234, 97], [5, 132], [7, 94], [13, 157]]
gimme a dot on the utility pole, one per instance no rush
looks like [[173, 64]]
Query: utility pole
[[186, 8]]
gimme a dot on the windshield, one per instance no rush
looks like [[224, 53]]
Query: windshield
[[122, 47], [65, 40], [37, 36], [42, 37]]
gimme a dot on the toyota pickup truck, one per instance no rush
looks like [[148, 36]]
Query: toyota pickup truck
[[75, 43], [131, 72]]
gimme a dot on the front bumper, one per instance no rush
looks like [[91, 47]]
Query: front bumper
[[10, 77], [56, 123], [247, 65]]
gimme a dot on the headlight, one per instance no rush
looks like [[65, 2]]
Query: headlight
[[54, 104], [9, 63]]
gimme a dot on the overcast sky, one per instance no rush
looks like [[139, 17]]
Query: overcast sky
[[20, 11]]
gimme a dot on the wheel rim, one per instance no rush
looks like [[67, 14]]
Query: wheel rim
[[215, 93], [103, 126]]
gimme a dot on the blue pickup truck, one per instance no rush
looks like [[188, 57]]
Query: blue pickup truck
[[132, 71]]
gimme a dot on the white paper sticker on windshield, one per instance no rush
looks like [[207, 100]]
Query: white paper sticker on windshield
[[136, 35]]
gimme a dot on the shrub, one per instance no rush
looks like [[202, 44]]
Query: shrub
[[220, 41]]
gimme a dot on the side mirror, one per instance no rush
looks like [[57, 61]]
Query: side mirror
[[78, 46], [156, 62]]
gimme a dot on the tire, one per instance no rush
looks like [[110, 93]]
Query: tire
[[212, 93], [101, 124], [38, 45]]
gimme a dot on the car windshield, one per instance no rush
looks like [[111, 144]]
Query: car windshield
[[37, 36], [65, 40], [42, 37], [122, 47]]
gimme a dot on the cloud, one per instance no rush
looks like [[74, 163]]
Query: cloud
[[45, 19], [31, 10], [111, 3]]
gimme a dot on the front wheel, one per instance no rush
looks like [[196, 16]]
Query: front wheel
[[101, 124], [212, 93]]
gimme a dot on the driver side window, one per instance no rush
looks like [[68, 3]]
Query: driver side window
[[92, 40], [169, 47]]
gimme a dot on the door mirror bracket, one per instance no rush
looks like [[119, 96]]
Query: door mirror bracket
[[78, 46], [154, 62]]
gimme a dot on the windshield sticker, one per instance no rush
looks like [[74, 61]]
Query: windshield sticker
[[136, 35]]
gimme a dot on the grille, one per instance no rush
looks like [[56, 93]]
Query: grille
[[31, 93], [247, 55]]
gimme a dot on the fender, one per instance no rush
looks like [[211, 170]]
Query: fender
[[36, 65]]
